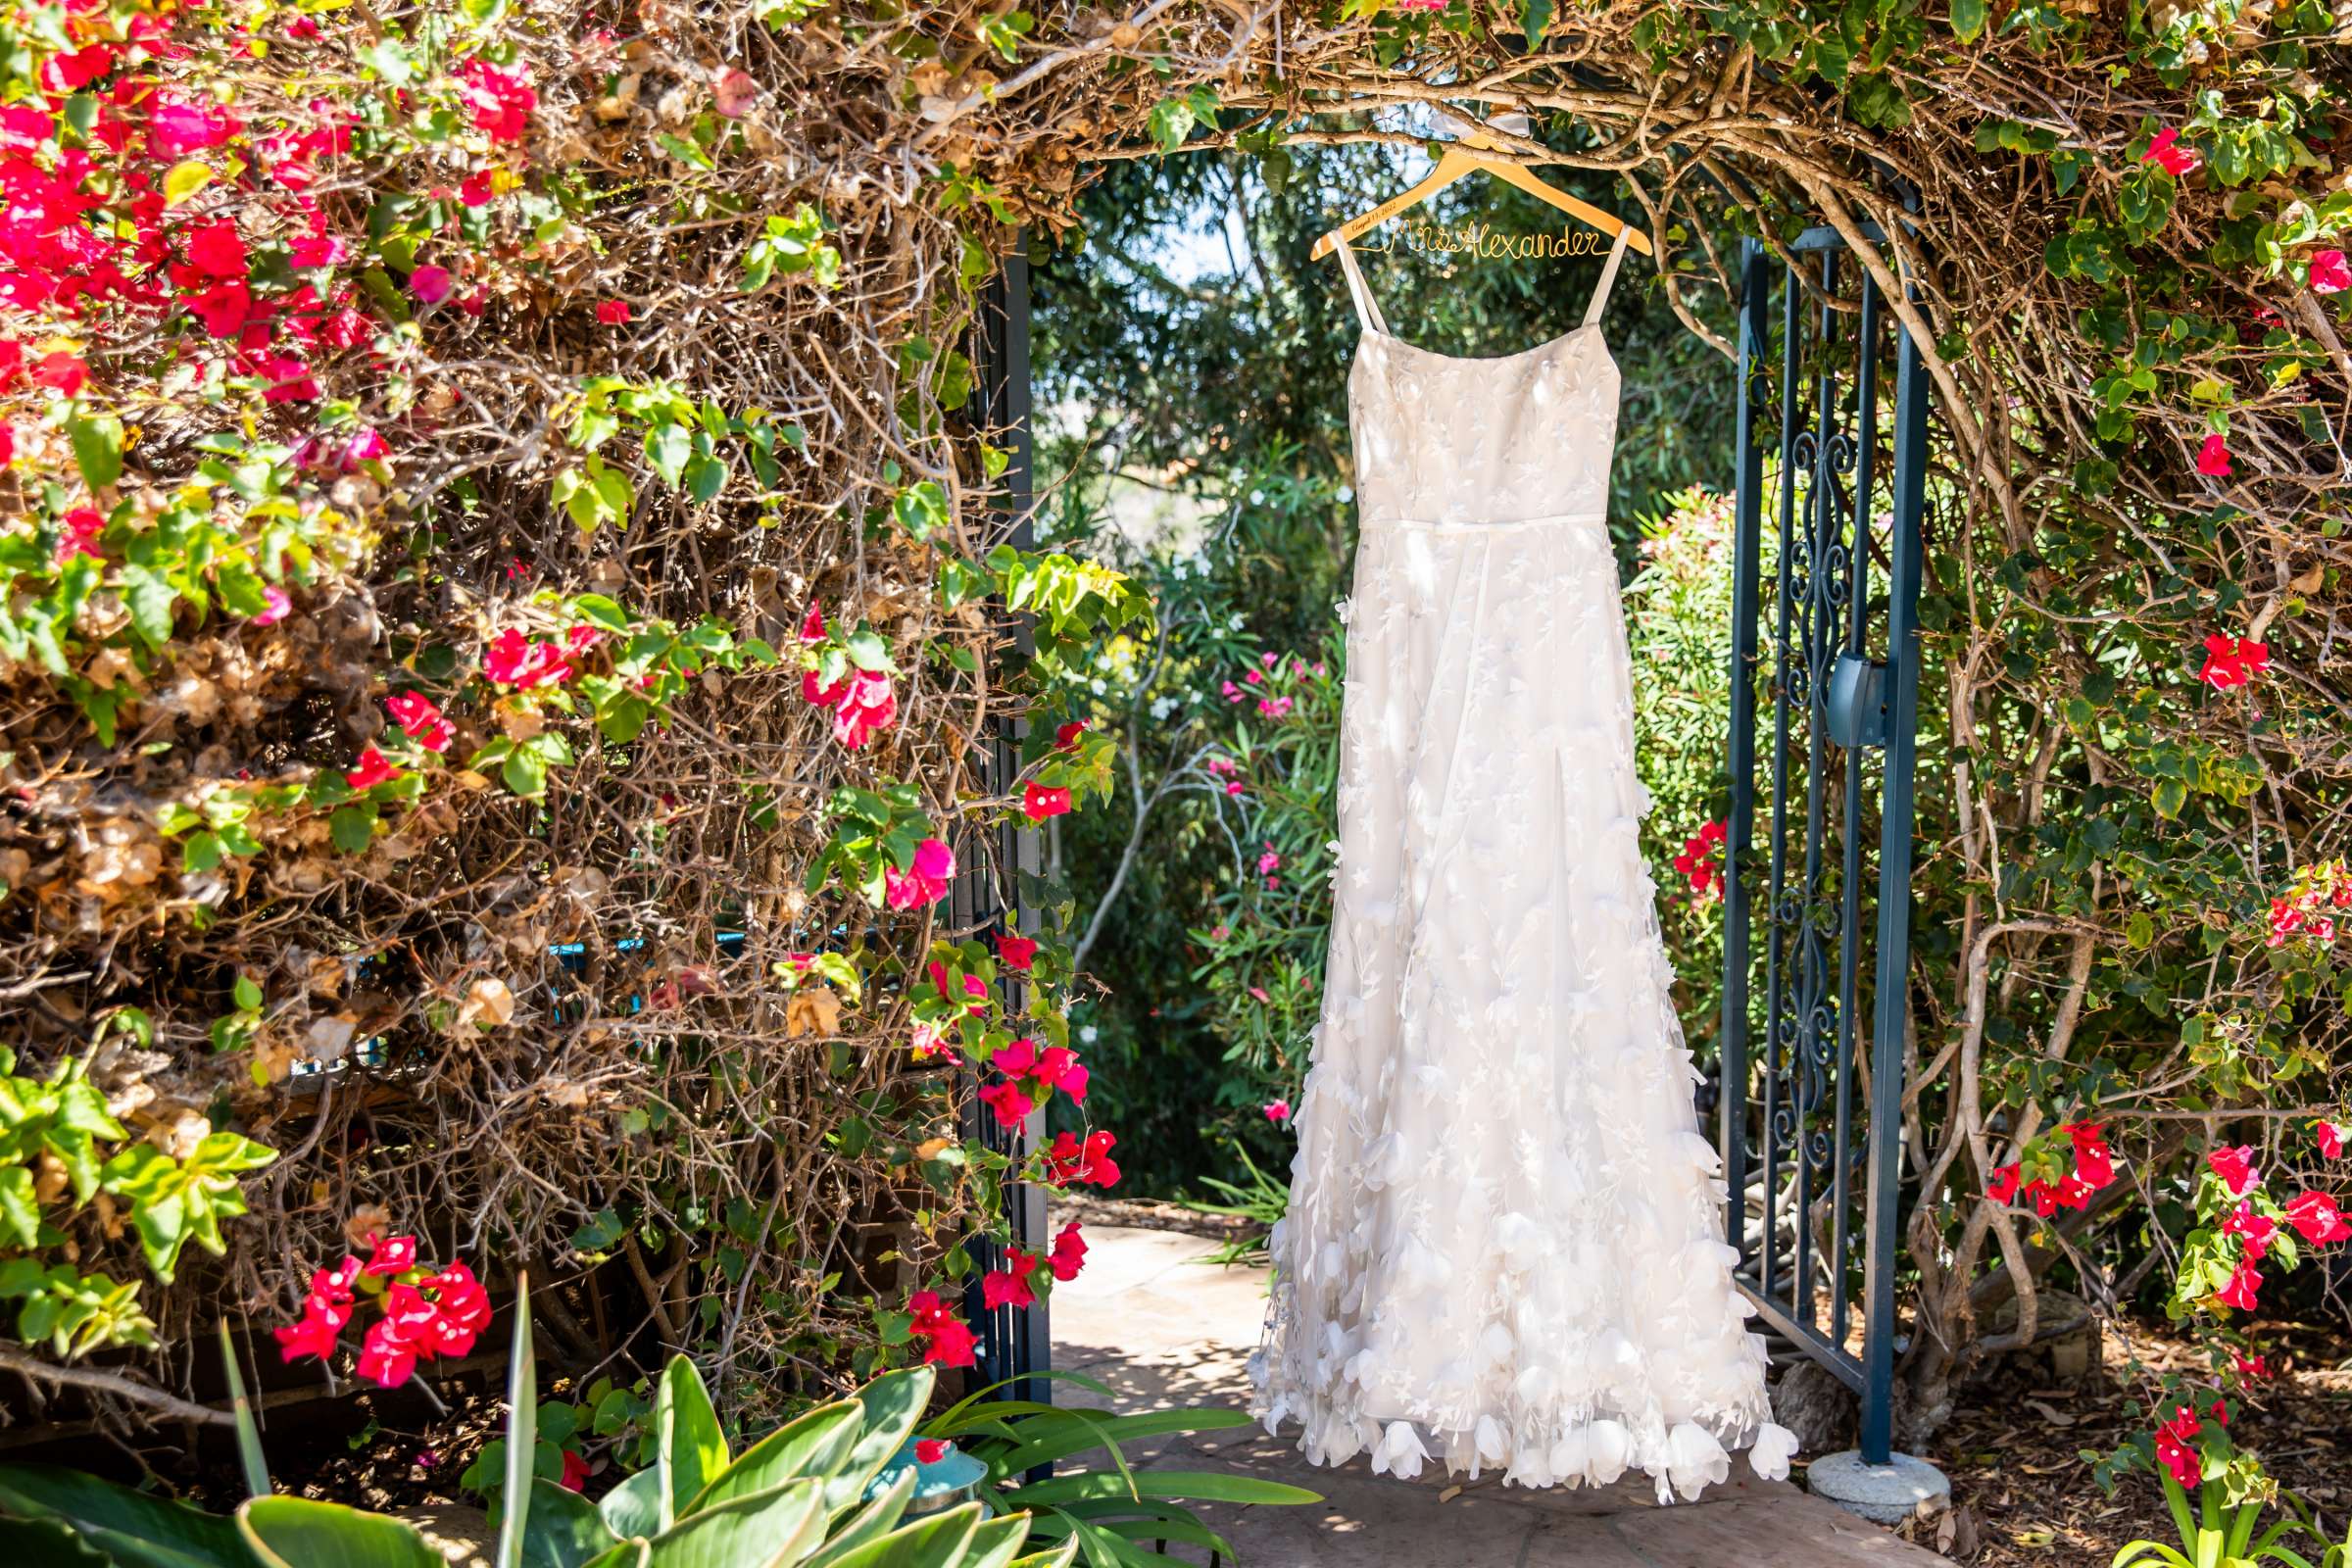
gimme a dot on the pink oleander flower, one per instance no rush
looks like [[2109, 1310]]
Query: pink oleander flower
[[373, 768], [1069, 1253], [1269, 863], [2234, 1166], [1039, 803], [2166, 153], [2317, 1217], [420, 721], [925, 881]]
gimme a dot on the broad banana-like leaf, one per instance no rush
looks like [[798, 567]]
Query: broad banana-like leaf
[[868, 1522], [634, 1507], [304, 1532], [690, 1449], [523, 1431], [765, 1530], [628, 1554], [249, 1432], [996, 1541], [1061, 1557], [564, 1530], [814, 1445], [935, 1542], [893, 1402], [48, 1543], [134, 1528]]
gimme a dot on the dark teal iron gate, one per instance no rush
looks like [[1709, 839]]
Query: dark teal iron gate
[[1817, 912]]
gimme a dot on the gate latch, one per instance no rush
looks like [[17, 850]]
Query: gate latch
[[1856, 707]]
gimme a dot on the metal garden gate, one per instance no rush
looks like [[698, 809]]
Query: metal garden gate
[[1817, 915]]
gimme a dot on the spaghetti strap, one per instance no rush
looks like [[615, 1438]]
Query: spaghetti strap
[[1366, 310], [1608, 276]]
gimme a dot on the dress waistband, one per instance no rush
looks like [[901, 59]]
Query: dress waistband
[[1424, 525]]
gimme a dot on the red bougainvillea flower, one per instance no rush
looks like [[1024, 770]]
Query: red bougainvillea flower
[[83, 525], [60, 373], [2166, 153], [2094, 1162], [930, 1040], [613, 312], [391, 1255], [1069, 1253], [2213, 458], [575, 1473], [500, 102], [1058, 1066], [2329, 272], [2174, 1451], [1700, 864], [1011, 1105], [1016, 1058], [862, 700], [1069, 1161], [514, 659], [2234, 1166], [945, 1338], [1278, 1110], [2002, 1188], [930, 1450], [420, 721], [386, 1359], [2331, 1137], [2256, 1367], [1065, 738], [2244, 1281], [2316, 1215], [1010, 1284], [1019, 953], [1039, 803], [733, 93], [812, 625], [925, 881], [2233, 662], [373, 768], [326, 1308], [277, 603], [2251, 1229]]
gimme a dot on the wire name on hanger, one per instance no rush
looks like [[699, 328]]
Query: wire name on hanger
[[1486, 243]]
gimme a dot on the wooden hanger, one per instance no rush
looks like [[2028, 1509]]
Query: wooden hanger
[[1461, 159]]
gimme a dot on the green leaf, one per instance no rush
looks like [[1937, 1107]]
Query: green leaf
[[892, 1402], [1968, 19], [19, 1213], [691, 1450], [1535, 21], [869, 1523], [304, 1533], [936, 1541], [705, 477], [97, 447], [133, 1529], [525, 772], [765, 1530], [564, 1530], [1170, 121], [249, 1434], [634, 1507], [668, 445], [522, 1439], [352, 827], [814, 1446], [1202, 1486]]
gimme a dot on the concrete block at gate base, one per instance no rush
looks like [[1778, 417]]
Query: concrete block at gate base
[[1883, 1494]]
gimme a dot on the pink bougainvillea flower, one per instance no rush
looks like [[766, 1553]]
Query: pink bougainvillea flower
[[177, 127], [391, 1255], [2234, 1166], [2232, 661], [2253, 1230], [478, 188], [1016, 953], [2329, 272], [1016, 1058], [861, 702], [925, 881], [733, 93], [930, 1450], [277, 603], [514, 659], [2244, 1281], [420, 721], [1069, 1253], [499, 101], [1269, 861], [930, 1040], [2331, 1137], [1009, 1103], [1278, 1110], [432, 284], [613, 312], [83, 525], [217, 250], [2316, 1215], [1039, 803], [386, 1359], [373, 768], [2166, 153], [2213, 458], [575, 1473]]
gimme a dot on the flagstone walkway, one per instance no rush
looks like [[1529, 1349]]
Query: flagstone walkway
[[1150, 1319]]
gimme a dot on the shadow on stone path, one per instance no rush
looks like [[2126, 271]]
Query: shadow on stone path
[[1161, 1328]]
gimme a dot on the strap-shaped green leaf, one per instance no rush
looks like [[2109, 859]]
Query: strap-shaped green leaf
[[869, 1523], [564, 1529], [1208, 1485], [936, 1541], [765, 1530], [523, 1431], [692, 1450], [815, 1445], [892, 1403], [304, 1533], [136, 1530]]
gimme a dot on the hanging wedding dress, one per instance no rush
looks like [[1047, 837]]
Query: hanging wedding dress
[[1505, 1245]]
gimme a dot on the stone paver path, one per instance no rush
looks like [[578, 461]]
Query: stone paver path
[[1150, 1319]]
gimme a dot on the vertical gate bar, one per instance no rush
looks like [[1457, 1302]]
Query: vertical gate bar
[[1889, 1027], [1849, 943], [1775, 979], [1732, 1103]]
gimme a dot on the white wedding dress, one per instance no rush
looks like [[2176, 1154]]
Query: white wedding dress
[[1504, 1245]]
